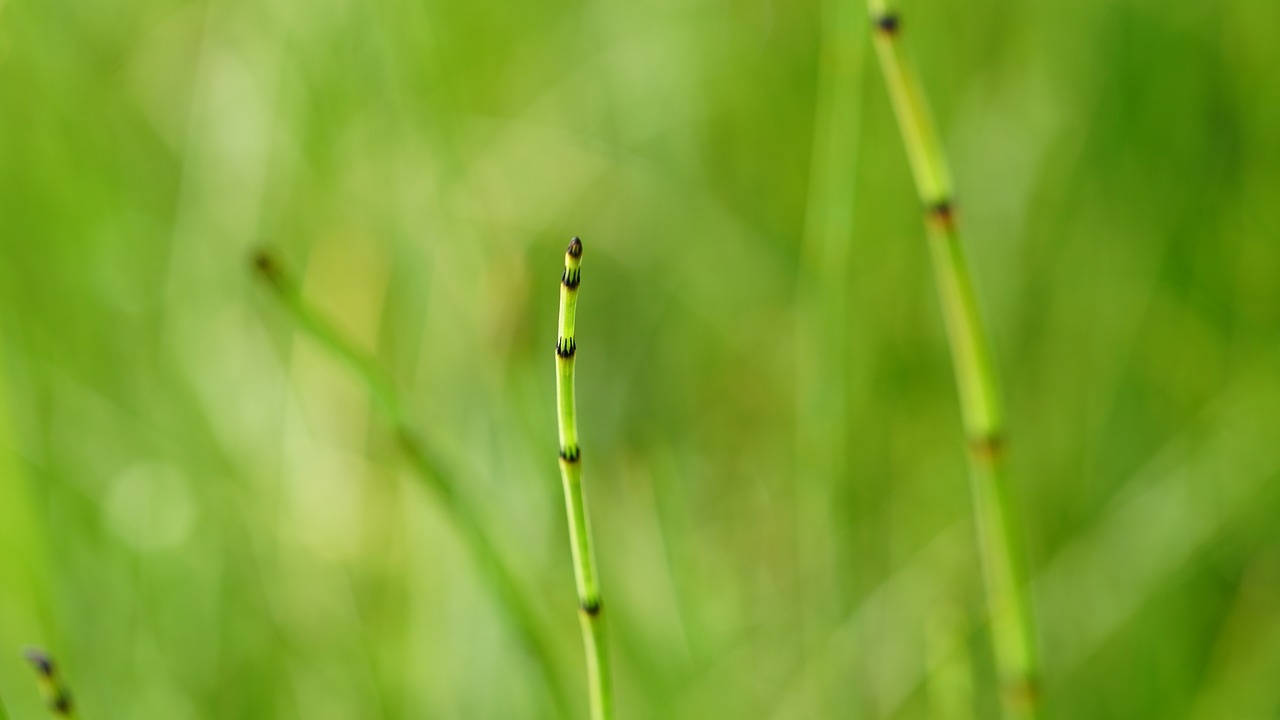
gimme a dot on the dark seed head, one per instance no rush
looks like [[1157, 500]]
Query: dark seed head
[[40, 661], [575, 248]]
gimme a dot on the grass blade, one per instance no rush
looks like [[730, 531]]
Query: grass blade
[[428, 468]]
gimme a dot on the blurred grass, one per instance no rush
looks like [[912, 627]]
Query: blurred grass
[[199, 516]]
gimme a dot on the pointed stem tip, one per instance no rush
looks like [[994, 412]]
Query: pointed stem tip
[[888, 23], [575, 248], [39, 660]]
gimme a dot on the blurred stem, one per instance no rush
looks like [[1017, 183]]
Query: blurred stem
[[950, 686], [821, 361], [56, 695], [427, 467], [1009, 606], [586, 579]]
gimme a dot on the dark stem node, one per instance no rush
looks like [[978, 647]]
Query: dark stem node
[[941, 214], [566, 348], [941, 210], [570, 454], [986, 448], [1024, 692], [265, 263], [571, 277], [591, 606]]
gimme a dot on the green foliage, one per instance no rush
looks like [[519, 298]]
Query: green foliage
[[203, 516]]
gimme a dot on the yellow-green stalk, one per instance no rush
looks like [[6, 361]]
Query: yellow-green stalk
[[56, 695], [1009, 608], [586, 579]]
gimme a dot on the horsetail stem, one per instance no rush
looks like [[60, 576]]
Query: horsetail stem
[[52, 687], [427, 467], [590, 607], [1012, 627]]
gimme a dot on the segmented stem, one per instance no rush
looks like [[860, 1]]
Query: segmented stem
[[428, 469], [1008, 603], [52, 687], [590, 607]]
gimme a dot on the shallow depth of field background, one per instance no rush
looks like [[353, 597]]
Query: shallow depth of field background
[[202, 517]]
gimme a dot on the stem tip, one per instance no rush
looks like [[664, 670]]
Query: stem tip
[[40, 660], [888, 23]]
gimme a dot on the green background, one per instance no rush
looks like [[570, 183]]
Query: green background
[[201, 515]]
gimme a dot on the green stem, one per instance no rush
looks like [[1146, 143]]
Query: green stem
[[52, 687], [429, 470], [822, 367], [590, 606], [1009, 606]]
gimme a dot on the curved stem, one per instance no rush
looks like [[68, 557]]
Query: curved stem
[[1012, 626], [429, 470], [590, 606]]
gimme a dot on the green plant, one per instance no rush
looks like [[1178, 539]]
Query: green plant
[[1009, 606], [55, 691], [586, 578], [426, 466]]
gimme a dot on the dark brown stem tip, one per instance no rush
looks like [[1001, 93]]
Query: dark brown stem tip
[[575, 248], [888, 23], [40, 660]]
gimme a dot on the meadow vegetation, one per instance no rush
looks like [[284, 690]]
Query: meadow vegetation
[[217, 504]]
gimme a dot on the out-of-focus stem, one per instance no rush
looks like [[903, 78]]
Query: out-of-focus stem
[[1012, 626], [426, 466]]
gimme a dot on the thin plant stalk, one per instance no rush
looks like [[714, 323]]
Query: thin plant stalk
[[586, 579], [1012, 626], [822, 367], [56, 695], [429, 470]]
